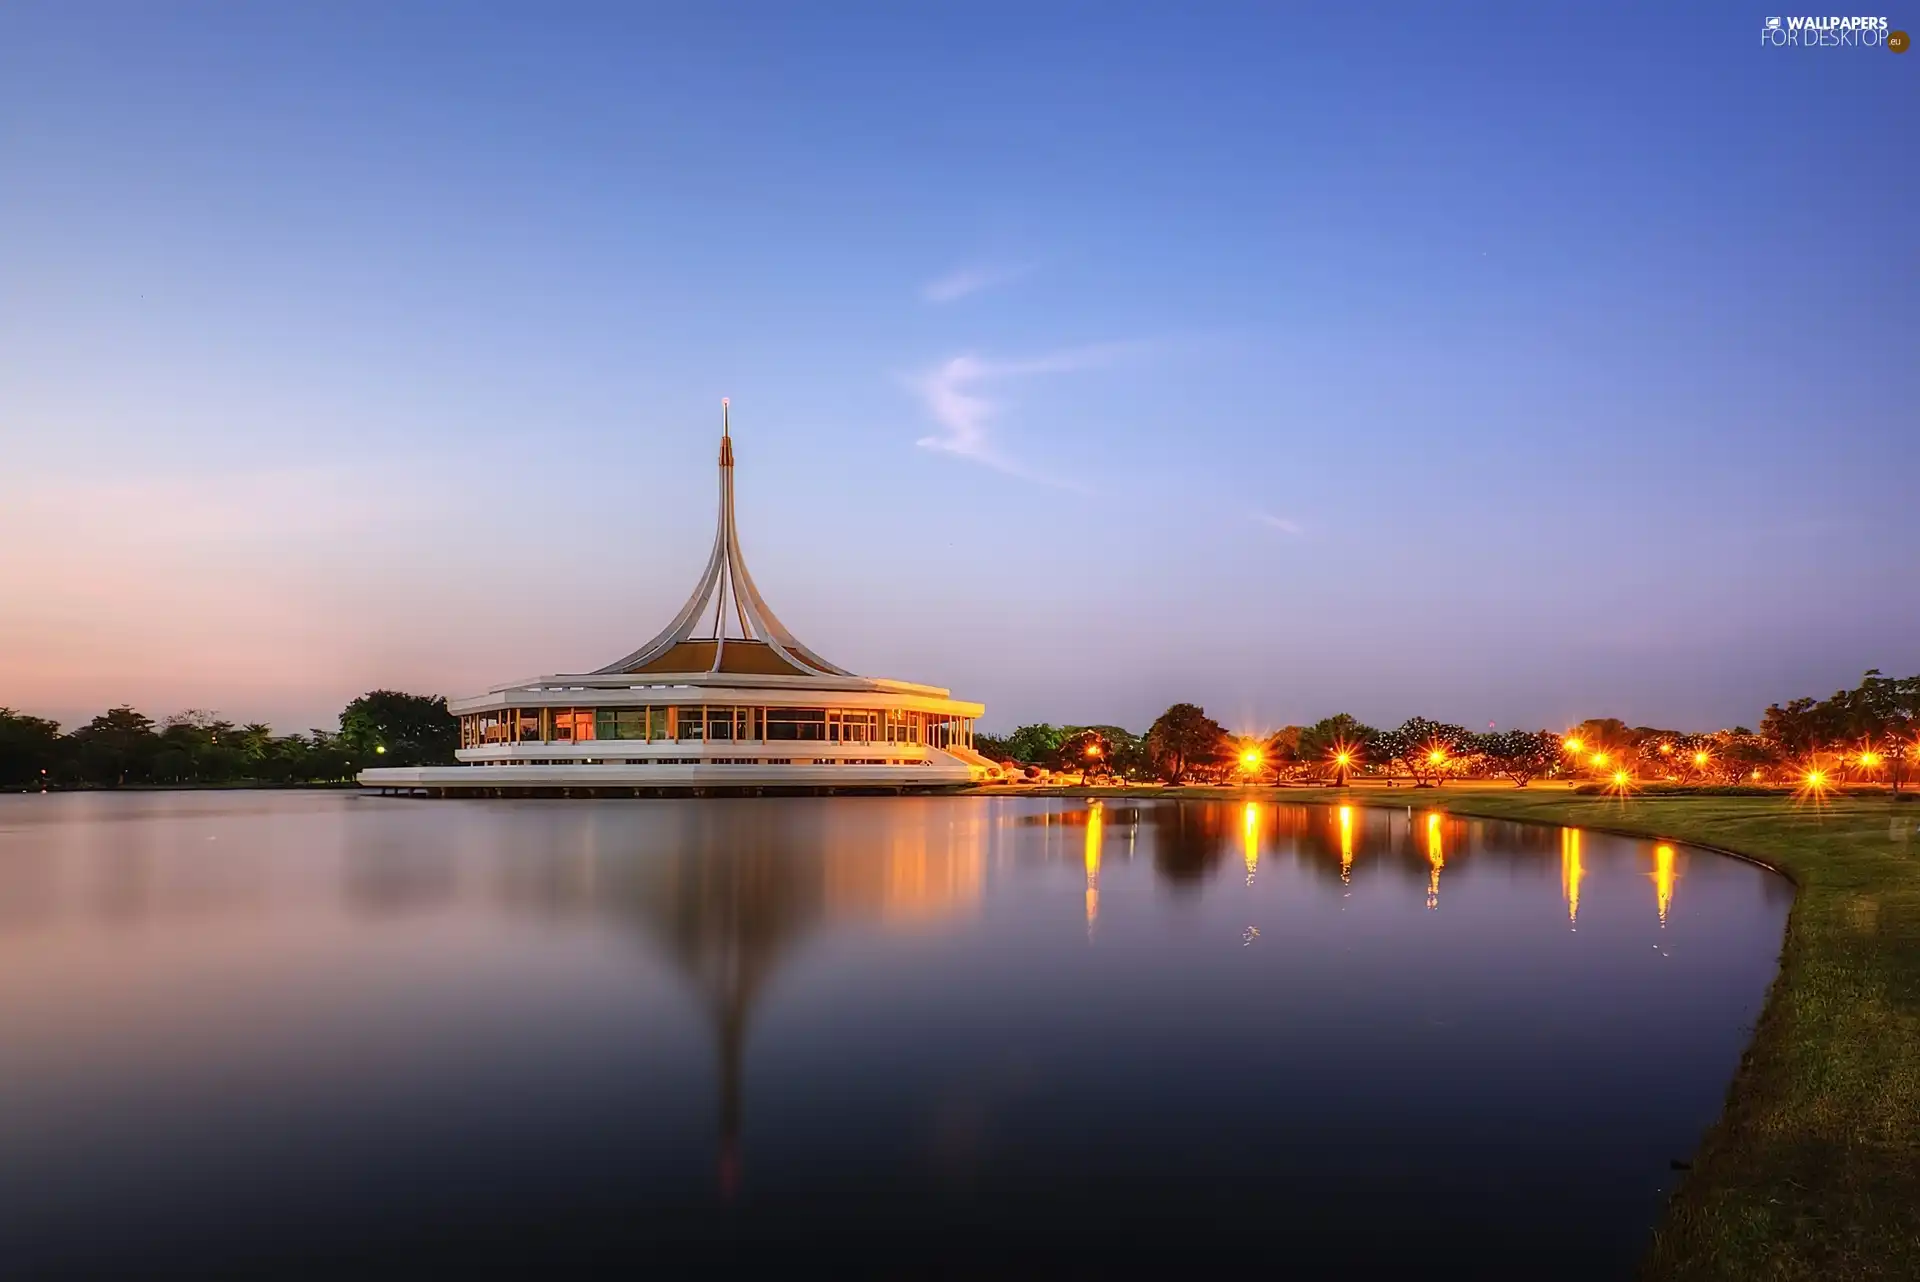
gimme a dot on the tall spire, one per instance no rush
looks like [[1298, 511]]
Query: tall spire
[[724, 583]]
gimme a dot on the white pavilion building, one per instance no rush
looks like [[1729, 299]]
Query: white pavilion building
[[724, 698]]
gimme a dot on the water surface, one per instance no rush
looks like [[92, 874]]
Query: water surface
[[282, 1033]]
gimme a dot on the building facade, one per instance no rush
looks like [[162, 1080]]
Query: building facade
[[723, 698]]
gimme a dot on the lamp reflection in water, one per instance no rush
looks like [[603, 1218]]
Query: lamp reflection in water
[[1250, 838], [1436, 859], [1570, 874], [1346, 845], [1096, 819], [1662, 876]]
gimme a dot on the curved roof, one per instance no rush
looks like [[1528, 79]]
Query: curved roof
[[697, 641]]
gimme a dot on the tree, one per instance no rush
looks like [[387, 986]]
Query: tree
[[1282, 748], [1037, 744], [115, 746], [29, 748], [1874, 723], [1801, 727], [1326, 740], [1677, 756], [400, 729], [1182, 738], [199, 747], [1519, 755], [1741, 758], [1430, 750], [993, 747], [1126, 751], [1883, 717], [1088, 751]]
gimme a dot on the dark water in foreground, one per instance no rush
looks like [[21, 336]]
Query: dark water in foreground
[[267, 1034]]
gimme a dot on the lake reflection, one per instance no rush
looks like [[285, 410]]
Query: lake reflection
[[276, 1033]]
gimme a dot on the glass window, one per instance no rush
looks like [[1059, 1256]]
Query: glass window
[[620, 723], [573, 724], [796, 723]]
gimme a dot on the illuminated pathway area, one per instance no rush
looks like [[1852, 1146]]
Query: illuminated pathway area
[[257, 1033]]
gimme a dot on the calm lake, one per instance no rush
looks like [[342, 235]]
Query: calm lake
[[275, 1033]]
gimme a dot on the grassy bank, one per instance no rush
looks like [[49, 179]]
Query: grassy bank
[[1814, 1168]]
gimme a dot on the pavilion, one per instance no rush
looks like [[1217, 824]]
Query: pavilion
[[725, 698]]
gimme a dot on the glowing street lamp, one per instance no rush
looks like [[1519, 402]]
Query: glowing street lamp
[[1574, 744], [1250, 759], [1700, 760], [1342, 762]]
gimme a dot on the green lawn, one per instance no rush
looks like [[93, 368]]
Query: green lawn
[[1813, 1170]]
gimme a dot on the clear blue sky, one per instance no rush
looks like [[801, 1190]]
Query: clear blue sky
[[1515, 364]]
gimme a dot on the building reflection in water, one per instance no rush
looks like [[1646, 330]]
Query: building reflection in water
[[731, 890], [1663, 880], [1570, 874]]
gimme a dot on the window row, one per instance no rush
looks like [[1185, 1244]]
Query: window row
[[687, 724]]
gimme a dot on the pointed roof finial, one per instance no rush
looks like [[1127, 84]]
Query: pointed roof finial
[[726, 434]]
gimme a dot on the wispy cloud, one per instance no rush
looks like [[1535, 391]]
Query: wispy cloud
[[963, 281], [953, 393], [1280, 523]]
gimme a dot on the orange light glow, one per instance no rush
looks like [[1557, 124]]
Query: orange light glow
[[1814, 784], [1096, 819], [1574, 744], [1250, 839], [1621, 778], [1870, 759], [1343, 758], [1346, 843], [1436, 859], [1251, 758], [1699, 758], [1599, 758], [1663, 880], [1666, 748], [1571, 873], [1436, 756]]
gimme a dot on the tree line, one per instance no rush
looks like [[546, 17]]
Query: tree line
[[1869, 734], [124, 747]]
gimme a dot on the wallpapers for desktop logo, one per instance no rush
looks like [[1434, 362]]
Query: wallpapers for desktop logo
[[1831, 32]]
